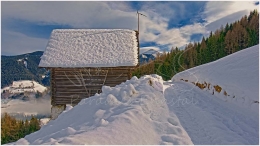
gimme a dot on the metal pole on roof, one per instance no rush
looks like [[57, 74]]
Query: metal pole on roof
[[138, 20], [138, 30]]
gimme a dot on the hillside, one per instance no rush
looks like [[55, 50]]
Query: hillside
[[24, 86], [149, 110], [208, 114], [13, 69], [233, 78]]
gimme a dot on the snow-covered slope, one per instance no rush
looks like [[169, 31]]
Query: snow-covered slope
[[236, 74], [133, 112], [209, 120], [24, 86]]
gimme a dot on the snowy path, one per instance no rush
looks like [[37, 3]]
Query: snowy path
[[209, 120]]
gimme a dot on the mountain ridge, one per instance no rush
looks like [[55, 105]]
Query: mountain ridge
[[14, 69]]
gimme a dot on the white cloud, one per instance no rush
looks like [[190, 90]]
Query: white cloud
[[14, 43], [120, 5], [215, 10], [153, 28], [227, 19], [75, 14], [40, 106], [219, 13]]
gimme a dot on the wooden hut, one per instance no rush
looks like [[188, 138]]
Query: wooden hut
[[81, 61]]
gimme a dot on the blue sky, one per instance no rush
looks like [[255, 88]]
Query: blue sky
[[26, 26]]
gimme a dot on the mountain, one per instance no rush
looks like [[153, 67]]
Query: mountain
[[151, 111], [148, 55], [22, 67], [22, 89]]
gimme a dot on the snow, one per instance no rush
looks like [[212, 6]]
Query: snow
[[25, 64], [44, 121], [130, 113], [91, 48], [237, 74], [209, 120], [218, 119], [25, 86], [149, 110], [143, 56]]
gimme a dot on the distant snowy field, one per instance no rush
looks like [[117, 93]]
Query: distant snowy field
[[24, 86]]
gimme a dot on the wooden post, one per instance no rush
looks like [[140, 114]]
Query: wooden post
[[129, 74], [52, 86]]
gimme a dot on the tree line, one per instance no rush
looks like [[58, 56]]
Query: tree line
[[12, 129], [224, 41]]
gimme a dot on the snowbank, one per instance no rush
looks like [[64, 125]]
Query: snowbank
[[133, 112], [236, 74]]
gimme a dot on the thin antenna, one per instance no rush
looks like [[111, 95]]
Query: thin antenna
[[138, 20], [138, 30]]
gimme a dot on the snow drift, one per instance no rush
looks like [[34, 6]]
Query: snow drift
[[236, 74], [133, 112]]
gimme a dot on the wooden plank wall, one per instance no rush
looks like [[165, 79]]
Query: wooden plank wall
[[70, 85]]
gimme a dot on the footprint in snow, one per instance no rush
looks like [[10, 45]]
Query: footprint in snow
[[171, 139], [173, 121]]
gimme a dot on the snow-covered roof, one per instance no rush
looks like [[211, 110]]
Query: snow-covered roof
[[91, 48]]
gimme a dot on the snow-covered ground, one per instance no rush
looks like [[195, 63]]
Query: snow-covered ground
[[133, 112], [24, 86], [219, 119], [44, 121], [151, 111], [209, 120], [237, 74]]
